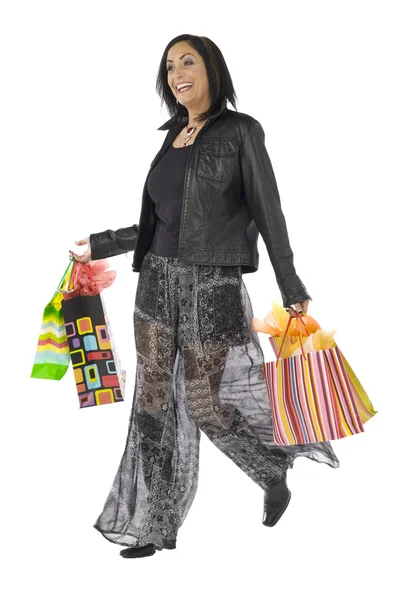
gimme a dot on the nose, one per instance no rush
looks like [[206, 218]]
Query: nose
[[178, 77]]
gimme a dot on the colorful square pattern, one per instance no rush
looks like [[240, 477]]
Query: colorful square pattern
[[98, 376]]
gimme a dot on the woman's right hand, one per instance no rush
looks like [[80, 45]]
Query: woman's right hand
[[86, 257]]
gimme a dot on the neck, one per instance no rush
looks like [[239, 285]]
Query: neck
[[192, 116]]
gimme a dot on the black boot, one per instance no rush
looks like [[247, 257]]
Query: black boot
[[138, 551], [147, 550], [276, 500]]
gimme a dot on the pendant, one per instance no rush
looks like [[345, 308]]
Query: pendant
[[190, 131]]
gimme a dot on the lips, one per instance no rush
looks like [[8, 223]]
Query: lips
[[184, 89]]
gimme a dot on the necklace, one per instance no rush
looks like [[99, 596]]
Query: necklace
[[189, 133]]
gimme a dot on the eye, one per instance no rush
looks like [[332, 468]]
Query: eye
[[185, 62]]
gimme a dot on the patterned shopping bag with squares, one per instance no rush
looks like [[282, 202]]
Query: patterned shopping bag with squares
[[97, 369]]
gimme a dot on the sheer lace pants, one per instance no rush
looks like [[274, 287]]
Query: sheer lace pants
[[199, 368]]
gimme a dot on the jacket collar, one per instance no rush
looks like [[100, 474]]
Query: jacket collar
[[174, 121]]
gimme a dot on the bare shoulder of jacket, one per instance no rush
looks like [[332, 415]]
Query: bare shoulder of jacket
[[240, 123]]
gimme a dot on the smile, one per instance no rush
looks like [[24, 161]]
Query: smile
[[184, 88]]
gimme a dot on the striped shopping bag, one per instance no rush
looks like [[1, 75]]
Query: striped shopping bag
[[315, 396], [52, 356]]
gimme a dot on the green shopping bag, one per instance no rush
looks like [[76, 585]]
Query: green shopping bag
[[52, 353]]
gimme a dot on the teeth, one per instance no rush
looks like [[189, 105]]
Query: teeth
[[180, 87]]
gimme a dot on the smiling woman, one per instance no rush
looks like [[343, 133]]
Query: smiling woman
[[209, 192], [187, 77]]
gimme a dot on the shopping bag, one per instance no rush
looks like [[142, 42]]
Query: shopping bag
[[98, 374], [314, 395], [52, 356], [363, 403]]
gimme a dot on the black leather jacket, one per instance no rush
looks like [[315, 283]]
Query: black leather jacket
[[230, 196]]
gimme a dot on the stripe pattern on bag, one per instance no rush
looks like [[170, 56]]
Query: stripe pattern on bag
[[314, 399]]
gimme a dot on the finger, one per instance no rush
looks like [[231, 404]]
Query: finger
[[304, 307], [83, 242]]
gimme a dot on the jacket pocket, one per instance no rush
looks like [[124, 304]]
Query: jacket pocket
[[217, 158]]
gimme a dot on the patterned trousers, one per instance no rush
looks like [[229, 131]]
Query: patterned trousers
[[199, 368]]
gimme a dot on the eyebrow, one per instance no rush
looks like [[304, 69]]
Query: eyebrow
[[181, 56]]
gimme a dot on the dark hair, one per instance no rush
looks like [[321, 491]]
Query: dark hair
[[219, 79]]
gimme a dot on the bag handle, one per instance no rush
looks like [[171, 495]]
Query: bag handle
[[67, 270], [297, 316]]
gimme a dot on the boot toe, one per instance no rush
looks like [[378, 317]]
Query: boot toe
[[274, 511]]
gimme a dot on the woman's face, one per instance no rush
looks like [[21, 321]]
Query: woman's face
[[185, 65]]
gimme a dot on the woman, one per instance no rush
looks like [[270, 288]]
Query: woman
[[210, 191]]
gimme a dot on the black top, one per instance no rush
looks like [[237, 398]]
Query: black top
[[166, 188]]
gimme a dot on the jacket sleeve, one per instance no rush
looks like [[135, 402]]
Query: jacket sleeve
[[111, 243], [262, 196]]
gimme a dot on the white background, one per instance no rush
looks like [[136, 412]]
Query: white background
[[333, 85]]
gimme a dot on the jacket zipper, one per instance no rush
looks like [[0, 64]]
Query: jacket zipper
[[186, 182]]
